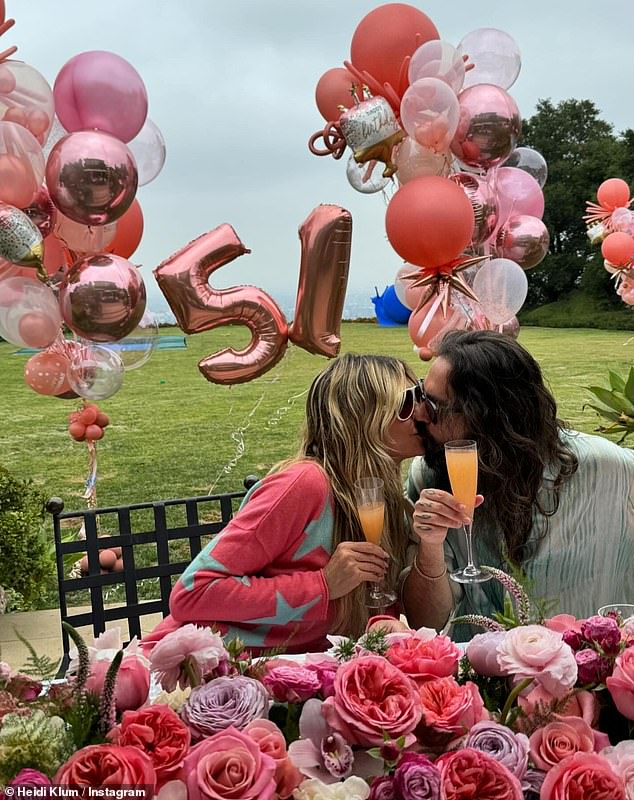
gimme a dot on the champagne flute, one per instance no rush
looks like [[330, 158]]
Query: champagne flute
[[462, 466], [371, 508]]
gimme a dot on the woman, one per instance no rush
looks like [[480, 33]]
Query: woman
[[292, 565]]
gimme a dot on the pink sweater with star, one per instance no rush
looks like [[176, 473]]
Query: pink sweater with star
[[261, 578]]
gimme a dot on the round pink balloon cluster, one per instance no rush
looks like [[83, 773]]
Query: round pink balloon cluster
[[428, 110], [71, 160]]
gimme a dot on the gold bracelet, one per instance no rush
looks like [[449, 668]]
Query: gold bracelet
[[429, 577]]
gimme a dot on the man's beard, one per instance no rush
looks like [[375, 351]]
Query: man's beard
[[434, 457]]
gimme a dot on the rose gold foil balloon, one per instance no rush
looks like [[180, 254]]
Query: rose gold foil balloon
[[489, 126], [91, 177], [42, 212], [523, 239], [483, 202], [47, 373], [183, 279], [102, 298], [325, 237]]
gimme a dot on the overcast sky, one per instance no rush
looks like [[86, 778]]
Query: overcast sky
[[231, 86]]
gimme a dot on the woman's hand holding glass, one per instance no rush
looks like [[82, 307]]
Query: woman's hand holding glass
[[354, 563]]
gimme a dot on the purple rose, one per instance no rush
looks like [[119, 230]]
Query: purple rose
[[592, 667], [30, 777], [499, 742], [417, 778], [382, 789], [222, 703], [292, 684], [604, 631], [532, 783]]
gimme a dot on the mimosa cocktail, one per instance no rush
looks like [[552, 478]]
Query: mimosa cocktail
[[371, 509], [462, 466]]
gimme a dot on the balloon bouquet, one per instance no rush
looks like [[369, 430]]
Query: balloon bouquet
[[71, 159], [611, 222], [466, 216]]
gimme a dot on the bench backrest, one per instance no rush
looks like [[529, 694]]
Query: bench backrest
[[157, 540]]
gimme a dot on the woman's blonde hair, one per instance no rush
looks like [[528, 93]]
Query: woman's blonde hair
[[350, 406]]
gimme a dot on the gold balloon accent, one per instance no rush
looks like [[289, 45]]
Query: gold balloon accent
[[381, 151]]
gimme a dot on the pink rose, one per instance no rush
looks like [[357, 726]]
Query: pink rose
[[160, 733], [425, 660], [203, 649], [449, 709], [133, 681], [563, 622], [482, 652], [373, 698], [621, 683], [291, 684], [108, 765], [582, 775], [581, 704], [533, 651], [229, 764], [561, 738], [621, 758], [271, 742], [326, 669], [30, 777], [472, 775]]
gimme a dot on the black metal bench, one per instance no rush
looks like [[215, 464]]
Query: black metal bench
[[191, 521]]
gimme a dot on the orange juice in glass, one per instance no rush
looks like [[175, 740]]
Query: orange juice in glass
[[462, 466], [371, 510]]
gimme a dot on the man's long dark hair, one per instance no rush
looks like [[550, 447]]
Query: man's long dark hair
[[499, 389]]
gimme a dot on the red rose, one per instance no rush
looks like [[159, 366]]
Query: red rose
[[160, 733], [472, 775], [108, 765]]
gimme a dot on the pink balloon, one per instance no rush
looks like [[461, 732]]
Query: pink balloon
[[427, 326], [101, 90], [102, 298], [429, 113], [148, 149], [84, 239], [26, 98], [29, 313], [21, 165], [414, 161], [518, 193], [523, 239], [489, 126], [91, 177], [47, 373], [37, 329]]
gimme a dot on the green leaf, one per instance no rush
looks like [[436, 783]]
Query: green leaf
[[629, 386], [612, 399], [629, 407], [616, 381], [611, 415], [375, 752]]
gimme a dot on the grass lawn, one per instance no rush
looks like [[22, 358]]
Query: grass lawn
[[173, 434]]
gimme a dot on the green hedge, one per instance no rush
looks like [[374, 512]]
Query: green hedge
[[578, 310]]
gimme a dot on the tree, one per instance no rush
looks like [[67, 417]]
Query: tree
[[581, 151]]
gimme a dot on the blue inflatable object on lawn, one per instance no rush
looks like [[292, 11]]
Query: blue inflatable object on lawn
[[388, 308]]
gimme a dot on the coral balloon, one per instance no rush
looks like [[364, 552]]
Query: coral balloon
[[148, 149], [26, 98], [85, 240], [429, 113], [518, 193], [414, 161], [429, 221], [489, 126], [523, 239], [102, 91], [91, 177], [128, 232], [529, 160], [102, 298], [613, 193], [428, 325], [483, 202], [440, 60], [334, 89], [386, 37], [21, 165], [501, 287], [618, 249], [47, 373], [495, 56]]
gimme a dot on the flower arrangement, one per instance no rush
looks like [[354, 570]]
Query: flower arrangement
[[534, 709]]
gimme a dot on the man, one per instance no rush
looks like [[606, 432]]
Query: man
[[557, 503]]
